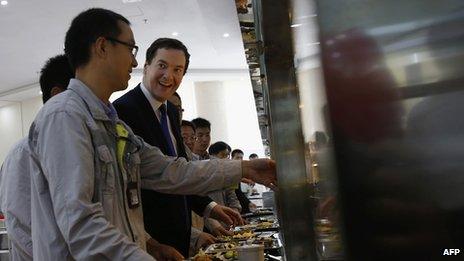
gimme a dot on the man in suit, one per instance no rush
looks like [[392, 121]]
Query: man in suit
[[148, 112]]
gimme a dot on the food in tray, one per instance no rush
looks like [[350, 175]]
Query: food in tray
[[267, 219], [265, 225], [238, 235], [202, 256], [257, 225], [222, 246], [243, 235], [216, 256], [266, 241]]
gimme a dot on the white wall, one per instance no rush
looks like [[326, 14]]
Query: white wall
[[229, 106], [243, 125], [187, 93], [15, 121], [29, 109], [10, 127], [211, 105]]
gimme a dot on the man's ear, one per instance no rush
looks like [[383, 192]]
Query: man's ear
[[99, 48], [55, 90], [145, 68]]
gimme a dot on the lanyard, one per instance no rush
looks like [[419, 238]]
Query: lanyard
[[132, 192], [121, 143]]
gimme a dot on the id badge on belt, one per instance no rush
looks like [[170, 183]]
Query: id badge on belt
[[132, 194]]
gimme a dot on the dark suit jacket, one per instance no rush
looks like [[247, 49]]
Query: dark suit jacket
[[167, 217], [244, 201]]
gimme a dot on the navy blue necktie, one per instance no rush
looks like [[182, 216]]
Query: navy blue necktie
[[171, 152], [165, 129]]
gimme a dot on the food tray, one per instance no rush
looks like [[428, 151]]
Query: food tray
[[258, 214], [260, 226]]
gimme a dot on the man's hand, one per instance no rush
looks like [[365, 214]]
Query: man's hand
[[248, 181], [163, 252], [226, 215], [262, 171], [219, 230], [205, 239]]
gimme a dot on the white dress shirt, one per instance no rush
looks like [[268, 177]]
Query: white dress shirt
[[155, 104]]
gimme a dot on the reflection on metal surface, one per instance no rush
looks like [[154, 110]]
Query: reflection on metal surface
[[293, 197], [394, 79], [317, 136]]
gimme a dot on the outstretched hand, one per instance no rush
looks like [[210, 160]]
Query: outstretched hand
[[262, 171]]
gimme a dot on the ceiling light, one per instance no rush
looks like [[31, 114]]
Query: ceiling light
[[3, 2], [225, 35], [175, 33]]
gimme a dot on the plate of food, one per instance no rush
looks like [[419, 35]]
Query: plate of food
[[238, 236], [215, 256], [259, 226], [267, 242], [221, 247]]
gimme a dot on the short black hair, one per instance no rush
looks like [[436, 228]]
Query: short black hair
[[167, 43], [253, 155], [217, 147], [236, 151], [85, 29], [55, 73], [178, 96], [188, 123], [201, 123]]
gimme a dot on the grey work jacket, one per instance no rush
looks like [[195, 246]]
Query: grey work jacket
[[15, 198], [79, 194]]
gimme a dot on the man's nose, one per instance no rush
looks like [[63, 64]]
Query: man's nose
[[168, 74]]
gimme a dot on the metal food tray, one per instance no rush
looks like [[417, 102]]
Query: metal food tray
[[218, 247], [222, 240], [254, 227], [258, 214]]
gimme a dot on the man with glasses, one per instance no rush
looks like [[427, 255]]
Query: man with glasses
[[132, 47], [187, 131], [203, 133], [85, 195]]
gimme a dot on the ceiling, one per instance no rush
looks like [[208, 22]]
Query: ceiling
[[33, 31]]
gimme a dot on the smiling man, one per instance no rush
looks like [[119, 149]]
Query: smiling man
[[148, 112]]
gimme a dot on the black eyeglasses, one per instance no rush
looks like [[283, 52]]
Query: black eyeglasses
[[134, 49]]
